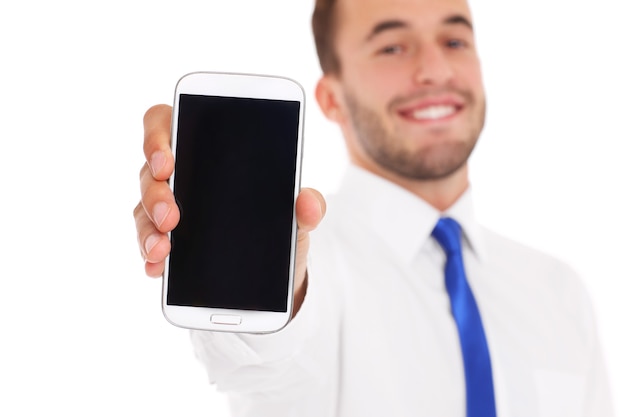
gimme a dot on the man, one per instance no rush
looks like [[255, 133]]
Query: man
[[373, 332]]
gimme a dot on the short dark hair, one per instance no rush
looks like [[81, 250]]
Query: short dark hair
[[323, 23]]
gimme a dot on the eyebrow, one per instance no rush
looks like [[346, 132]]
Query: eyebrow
[[459, 19], [386, 25]]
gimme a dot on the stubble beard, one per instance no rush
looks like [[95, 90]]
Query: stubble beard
[[433, 162]]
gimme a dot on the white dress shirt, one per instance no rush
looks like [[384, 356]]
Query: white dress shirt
[[375, 336]]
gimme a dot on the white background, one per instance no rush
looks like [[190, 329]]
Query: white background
[[81, 327]]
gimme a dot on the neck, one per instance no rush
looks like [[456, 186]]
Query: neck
[[440, 193]]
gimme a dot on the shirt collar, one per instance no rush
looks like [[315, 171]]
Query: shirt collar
[[463, 212], [401, 219]]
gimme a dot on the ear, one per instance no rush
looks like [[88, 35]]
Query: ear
[[327, 93]]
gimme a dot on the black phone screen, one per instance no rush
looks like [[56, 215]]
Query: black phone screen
[[234, 181]]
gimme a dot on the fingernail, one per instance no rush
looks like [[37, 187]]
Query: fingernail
[[157, 162], [160, 212], [151, 241]]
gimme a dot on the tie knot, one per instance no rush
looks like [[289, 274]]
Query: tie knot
[[448, 233]]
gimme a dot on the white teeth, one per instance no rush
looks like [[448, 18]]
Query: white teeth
[[433, 112]]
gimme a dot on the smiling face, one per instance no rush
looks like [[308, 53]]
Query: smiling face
[[409, 95]]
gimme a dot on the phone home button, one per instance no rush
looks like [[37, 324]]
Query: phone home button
[[230, 319]]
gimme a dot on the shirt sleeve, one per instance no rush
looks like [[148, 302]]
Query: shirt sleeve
[[289, 372], [598, 401]]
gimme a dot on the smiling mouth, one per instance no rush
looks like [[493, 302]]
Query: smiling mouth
[[435, 112]]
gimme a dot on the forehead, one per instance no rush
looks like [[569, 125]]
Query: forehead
[[358, 17]]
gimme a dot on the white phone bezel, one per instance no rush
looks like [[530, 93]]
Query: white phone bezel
[[246, 86]]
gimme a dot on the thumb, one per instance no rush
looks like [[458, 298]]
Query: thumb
[[310, 209]]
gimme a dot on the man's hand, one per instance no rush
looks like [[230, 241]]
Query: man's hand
[[157, 212]]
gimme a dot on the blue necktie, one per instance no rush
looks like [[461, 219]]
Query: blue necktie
[[478, 379]]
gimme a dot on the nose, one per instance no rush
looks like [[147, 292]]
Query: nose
[[432, 66]]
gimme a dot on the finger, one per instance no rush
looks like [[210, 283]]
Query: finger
[[155, 270], [154, 245], [157, 124], [158, 201], [310, 209]]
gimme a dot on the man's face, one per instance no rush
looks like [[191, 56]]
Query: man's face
[[411, 83]]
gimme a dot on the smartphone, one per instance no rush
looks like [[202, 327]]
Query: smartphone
[[237, 141]]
